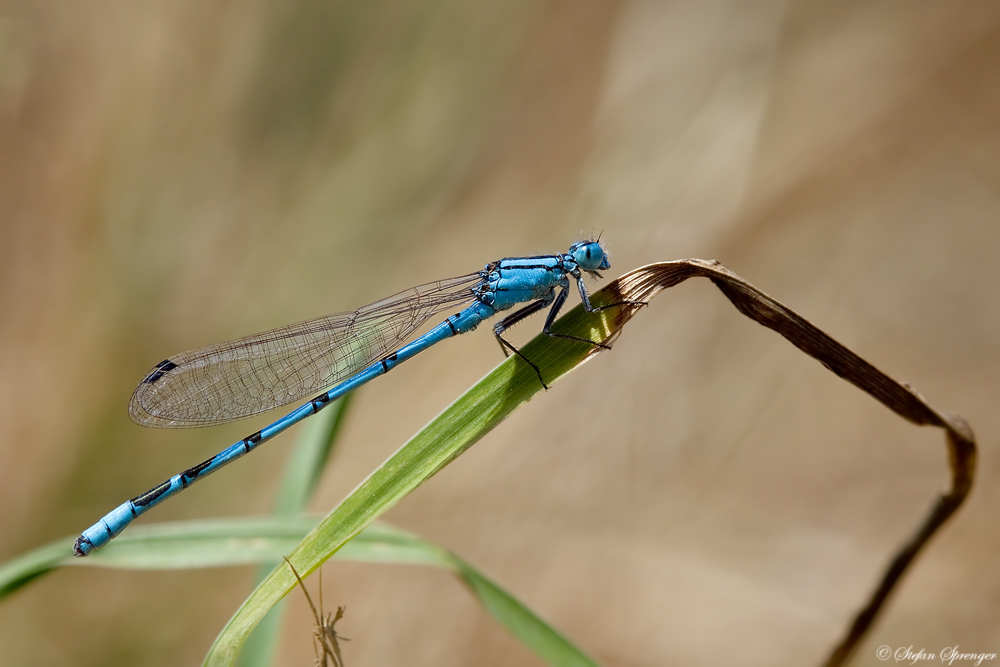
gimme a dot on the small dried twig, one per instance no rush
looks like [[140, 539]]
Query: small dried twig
[[325, 635], [644, 283]]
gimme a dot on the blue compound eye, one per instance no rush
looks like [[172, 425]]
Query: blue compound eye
[[589, 256]]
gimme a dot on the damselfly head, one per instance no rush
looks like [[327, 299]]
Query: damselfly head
[[589, 256]]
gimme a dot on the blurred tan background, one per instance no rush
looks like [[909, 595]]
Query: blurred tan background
[[176, 174]]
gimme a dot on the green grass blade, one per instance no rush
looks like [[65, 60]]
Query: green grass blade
[[169, 546], [383, 543], [461, 425], [547, 643], [238, 541], [22, 570]]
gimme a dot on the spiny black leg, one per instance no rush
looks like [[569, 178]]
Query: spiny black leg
[[582, 340], [617, 304], [513, 319], [585, 298], [554, 311], [502, 346], [598, 309], [538, 372]]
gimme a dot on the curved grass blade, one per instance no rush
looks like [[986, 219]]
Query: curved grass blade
[[170, 546], [513, 383], [24, 569], [213, 543]]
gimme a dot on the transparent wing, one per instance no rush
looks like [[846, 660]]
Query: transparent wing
[[230, 381]]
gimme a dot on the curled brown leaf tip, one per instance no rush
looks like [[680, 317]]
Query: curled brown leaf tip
[[644, 283]]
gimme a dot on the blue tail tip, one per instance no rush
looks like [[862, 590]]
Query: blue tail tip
[[82, 547]]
